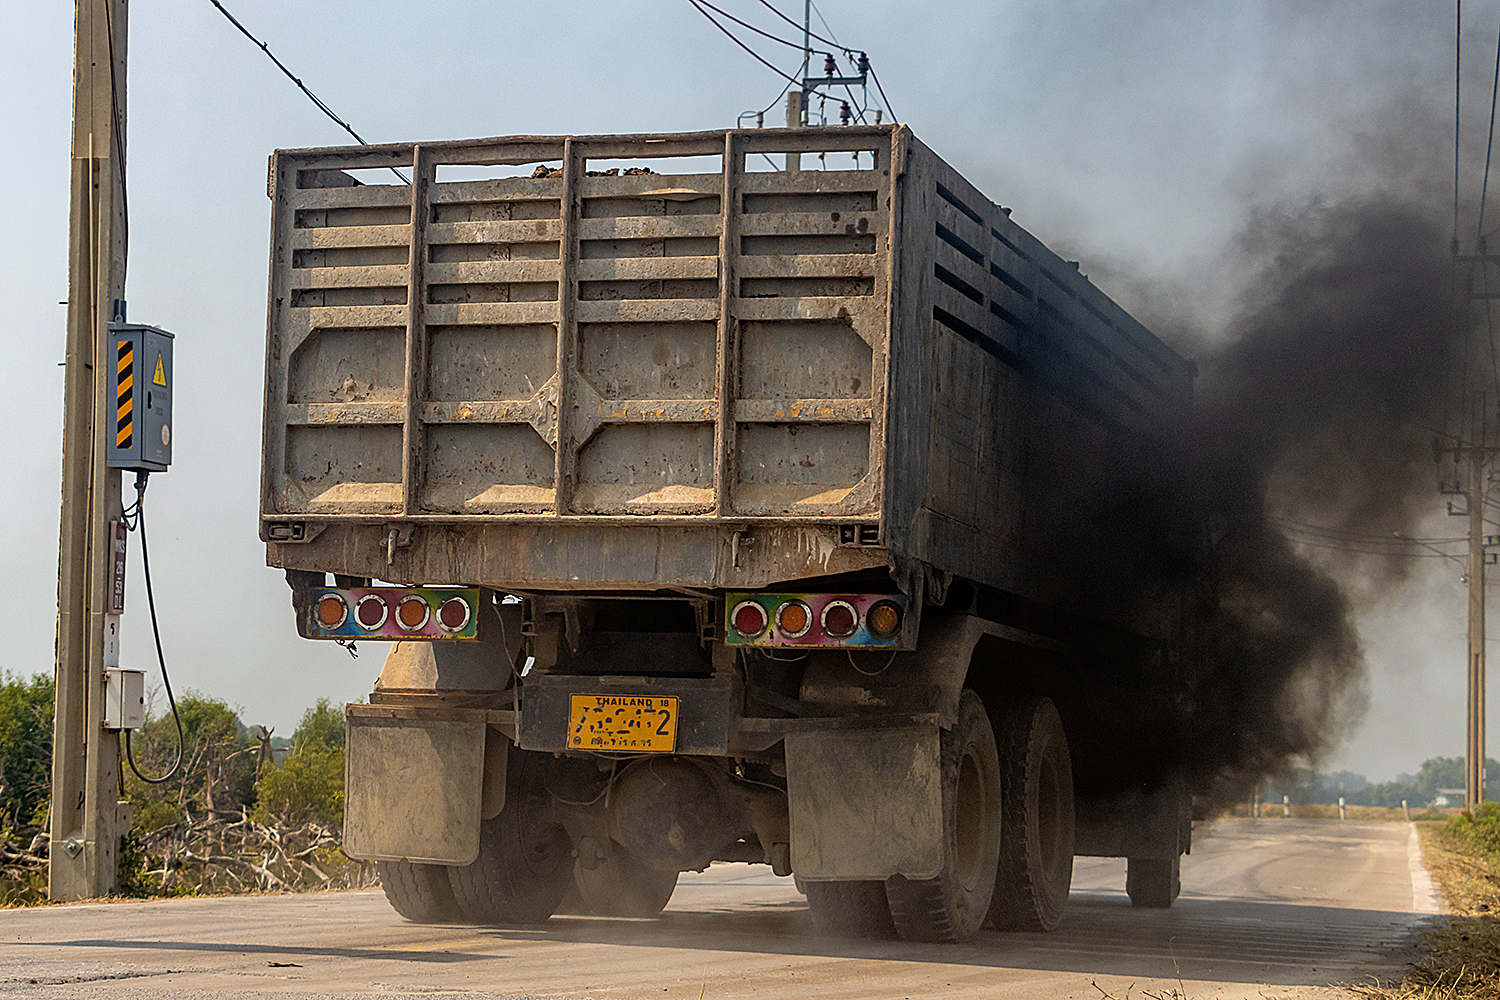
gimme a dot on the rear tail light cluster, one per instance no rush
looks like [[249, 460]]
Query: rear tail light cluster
[[814, 619], [393, 613]]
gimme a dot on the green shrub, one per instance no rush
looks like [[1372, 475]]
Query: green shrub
[[218, 772], [321, 725], [25, 751], [1479, 829], [307, 785]]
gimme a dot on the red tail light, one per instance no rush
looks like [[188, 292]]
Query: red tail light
[[371, 612], [749, 619], [454, 614]]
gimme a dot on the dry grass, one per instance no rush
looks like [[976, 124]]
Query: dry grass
[[1463, 950]]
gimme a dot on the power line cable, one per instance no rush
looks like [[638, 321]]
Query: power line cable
[[792, 81], [826, 26], [730, 35], [828, 41], [800, 27], [300, 85], [1490, 146], [883, 99], [1458, 34], [746, 24]]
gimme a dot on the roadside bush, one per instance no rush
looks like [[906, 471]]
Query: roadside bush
[[25, 751], [1480, 831], [308, 785], [218, 767]]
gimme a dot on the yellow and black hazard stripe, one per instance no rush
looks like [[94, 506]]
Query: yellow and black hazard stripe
[[124, 397]]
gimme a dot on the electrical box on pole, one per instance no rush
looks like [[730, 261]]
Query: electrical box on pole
[[141, 438]]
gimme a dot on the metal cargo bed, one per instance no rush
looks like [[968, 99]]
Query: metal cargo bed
[[652, 361]]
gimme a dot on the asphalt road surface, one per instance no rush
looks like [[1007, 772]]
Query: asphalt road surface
[[1270, 908]]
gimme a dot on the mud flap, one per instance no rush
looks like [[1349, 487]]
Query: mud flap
[[413, 790], [865, 803]]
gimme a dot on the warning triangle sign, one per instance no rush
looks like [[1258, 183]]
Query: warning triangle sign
[[160, 378]]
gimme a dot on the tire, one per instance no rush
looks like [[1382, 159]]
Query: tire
[[952, 906], [619, 887], [1036, 860], [525, 862], [1153, 883], [418, 892], [850, 909]]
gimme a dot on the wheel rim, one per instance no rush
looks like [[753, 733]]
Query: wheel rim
[[971, 811]]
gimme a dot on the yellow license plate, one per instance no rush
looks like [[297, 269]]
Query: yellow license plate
[[622, 722]]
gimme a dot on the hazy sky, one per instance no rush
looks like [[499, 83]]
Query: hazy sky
[[1135, 136]]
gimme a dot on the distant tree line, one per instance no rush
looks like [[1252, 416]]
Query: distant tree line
[[1304, 786]]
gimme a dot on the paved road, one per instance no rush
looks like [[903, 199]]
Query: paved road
[[1270, 908]]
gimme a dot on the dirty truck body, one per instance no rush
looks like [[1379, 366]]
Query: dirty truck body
[[734, 495]]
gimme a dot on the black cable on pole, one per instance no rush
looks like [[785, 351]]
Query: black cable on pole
[[140, 520], [300, 85]]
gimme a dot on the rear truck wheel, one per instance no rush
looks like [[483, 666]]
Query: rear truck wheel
[[418, 892], [620, 886], [850, 909], [952, 906], [525, 863], [1036, 859], [1153, 882]]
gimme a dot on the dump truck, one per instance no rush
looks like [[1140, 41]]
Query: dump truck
[[741, 495]]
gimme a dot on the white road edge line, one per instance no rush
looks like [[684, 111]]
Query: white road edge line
[[1424, 897]]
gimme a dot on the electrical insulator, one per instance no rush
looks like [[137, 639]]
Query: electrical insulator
[[829, 65], [864, 64], [844, 113]]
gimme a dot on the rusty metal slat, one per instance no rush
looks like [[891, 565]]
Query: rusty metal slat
[[647, 268], [326, 317], [645, 411], [834, 411], [326, 237], [648, 227], [648, 311], [848, 265], [976, 234], [479, 411], [363, 414], [812, 224], [497, 271], [727, 348], [801, 307], [496, 231], [491, 313], [363, 196], [668, 187], [813, 182], [373, 276], [413, 444], [566, 456], [497, 189]]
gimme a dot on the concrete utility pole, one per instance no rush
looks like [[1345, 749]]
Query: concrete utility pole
[[1474, 746], [87, 814]]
